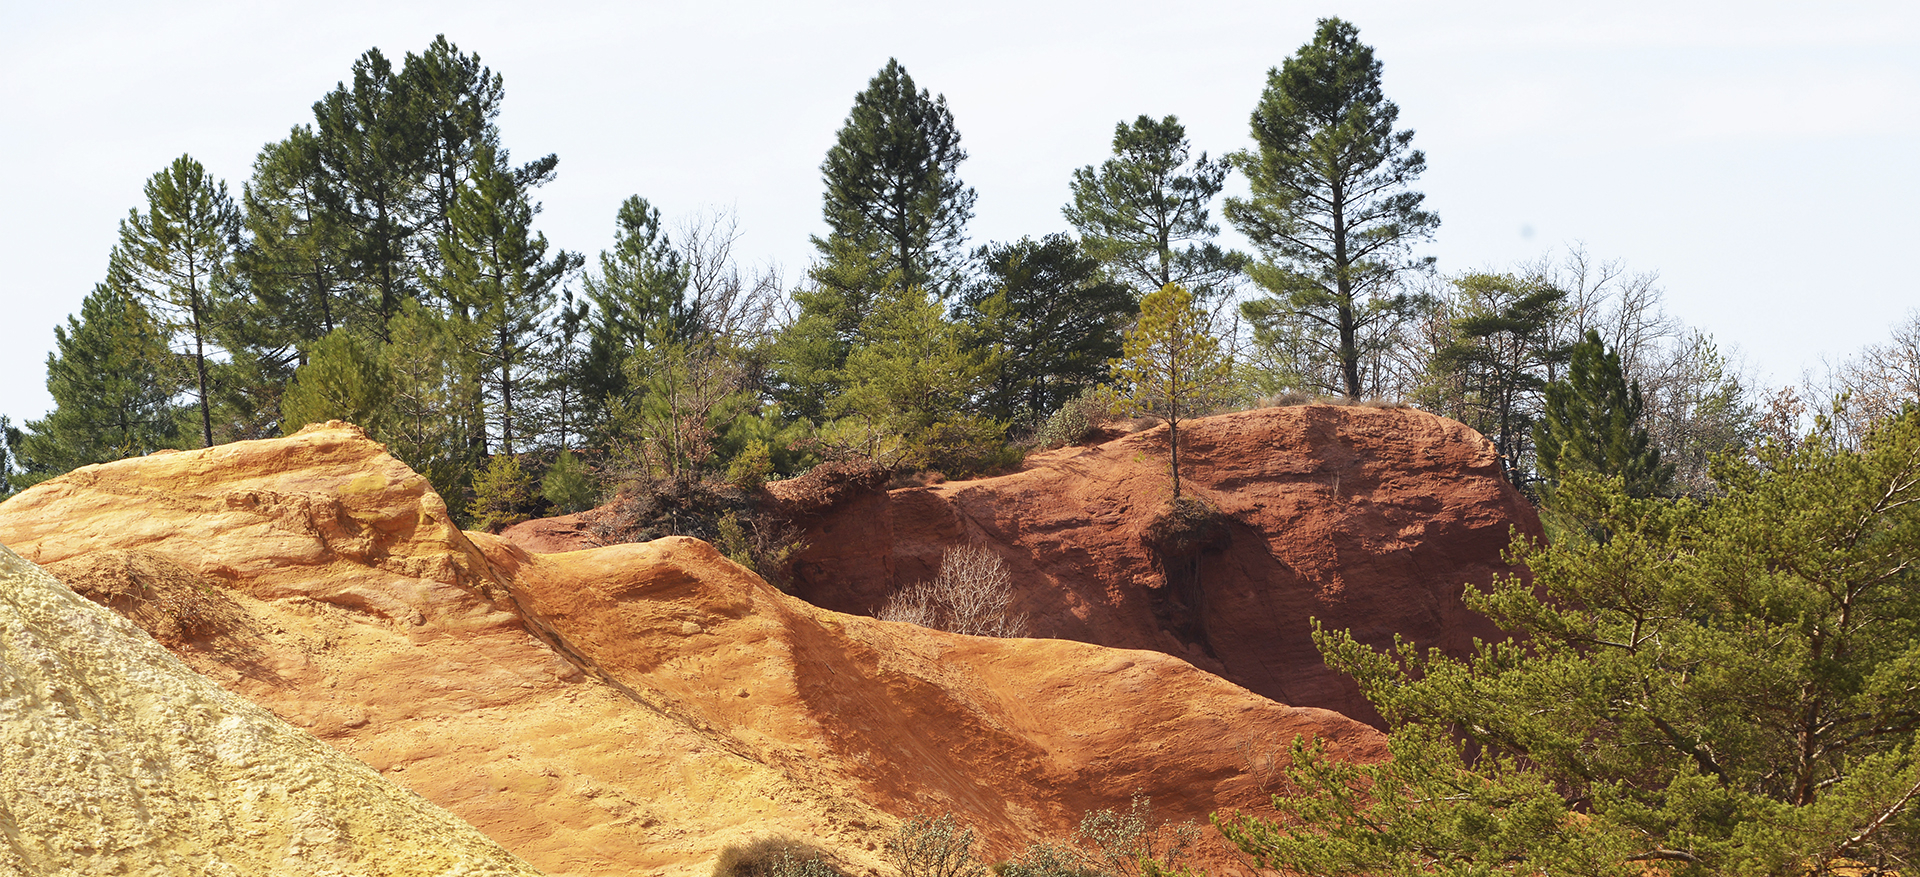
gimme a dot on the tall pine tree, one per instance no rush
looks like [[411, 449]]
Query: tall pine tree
[[1143, 212], [893, 187], [497, 268], [1330, 211], [175, 257]]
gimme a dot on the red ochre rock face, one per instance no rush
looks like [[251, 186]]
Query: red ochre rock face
[[1365, 519], [634, 708]]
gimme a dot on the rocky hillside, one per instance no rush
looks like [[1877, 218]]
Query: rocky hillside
[[1367, 519], [121, 760], [632, 708]]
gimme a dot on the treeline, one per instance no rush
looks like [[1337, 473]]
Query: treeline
[[381, 265]]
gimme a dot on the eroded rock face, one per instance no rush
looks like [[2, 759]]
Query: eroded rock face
[[1019, 738], [118, 759], [1367, 519], [633, 708]]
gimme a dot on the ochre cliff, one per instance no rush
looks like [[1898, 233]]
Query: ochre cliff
[[632, 708], [1368, 519], [118, 759]]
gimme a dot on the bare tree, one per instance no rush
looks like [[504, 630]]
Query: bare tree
[[973, 595], [732, 305], [1873, 385]]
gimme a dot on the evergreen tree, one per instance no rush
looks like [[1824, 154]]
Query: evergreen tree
[[893, 191], [425, 356], [497, 267], [10, 439], [345, 378], [1592, 424], [1330, 211], [175, 257], [112, 393], [294, 259], [639, 300], [1171, 366], [1496, 361], [1143, 213], [1051, 321], [908, 390], [455, 104], [372, 156], [1722, 688]]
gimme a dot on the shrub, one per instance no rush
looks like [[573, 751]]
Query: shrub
[[568, 484], [933, 846], [1186, 527], [973, 595], [1134, 844], [773, 857], [1048, 859], [502, 495], [1076, 421]]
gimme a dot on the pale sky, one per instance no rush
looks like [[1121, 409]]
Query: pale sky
[[1761, 156]]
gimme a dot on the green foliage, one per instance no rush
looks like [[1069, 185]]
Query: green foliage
[[110, 379], [1171, 366], [752, 467], [773, 857], [893, 192], [1719, 688], [907, 391], [1047, 320], [503, 494], [568, 485], [1076, 420], [1143, 213], [497, 269], [933, 846], [1592, 424], [638, 298], [1329, 211], [425, 355], [1491, 370], [345, 378], [174, 257]]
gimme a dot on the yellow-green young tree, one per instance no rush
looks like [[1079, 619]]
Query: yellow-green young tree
[[1330, 211], [1728, 687], [1171, 366], [174, 257]]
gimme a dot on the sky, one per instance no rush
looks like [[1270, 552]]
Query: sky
[[1760, 156]]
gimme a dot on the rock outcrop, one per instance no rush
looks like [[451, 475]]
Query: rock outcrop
[[118, 759], [633, 708], [1366, 519]]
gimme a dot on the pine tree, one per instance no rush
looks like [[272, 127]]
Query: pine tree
[[497, 267], [1330, 211], [175, 257], [1592, 424], [1171, 366], [345, 378], [372, 155], [1051, 320], [109, 376], [1728, 687], [1496, 362], [1143, 213], [893, 191], [294, 257], [639, 300]]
